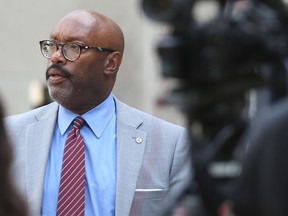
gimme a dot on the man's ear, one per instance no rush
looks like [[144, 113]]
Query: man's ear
[[112, 64]]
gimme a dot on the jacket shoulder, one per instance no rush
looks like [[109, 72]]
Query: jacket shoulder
[[31, 115], [130, 115]]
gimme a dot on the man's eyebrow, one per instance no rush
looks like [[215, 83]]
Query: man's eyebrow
[[67, 39], [52, 37]]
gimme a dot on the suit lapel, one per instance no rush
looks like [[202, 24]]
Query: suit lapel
[[131, 144], [38, 140]]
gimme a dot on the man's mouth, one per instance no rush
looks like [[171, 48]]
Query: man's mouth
[[56, 78], [57, 72], [53, 72]]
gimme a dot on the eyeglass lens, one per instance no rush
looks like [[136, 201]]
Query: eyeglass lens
[[70, 51]]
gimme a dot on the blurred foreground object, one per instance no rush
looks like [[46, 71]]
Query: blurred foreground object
[[262, 188], [11, 204], [218, 61]]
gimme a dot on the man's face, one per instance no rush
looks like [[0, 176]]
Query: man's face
[[84, 84]]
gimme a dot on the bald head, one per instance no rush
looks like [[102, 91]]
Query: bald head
[[98, 29]]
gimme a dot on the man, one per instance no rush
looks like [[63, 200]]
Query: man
[[135, 164]]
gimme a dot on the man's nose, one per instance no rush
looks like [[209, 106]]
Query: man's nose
[[58, 56]]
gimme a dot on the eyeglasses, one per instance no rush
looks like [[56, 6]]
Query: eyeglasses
[[71, 51]]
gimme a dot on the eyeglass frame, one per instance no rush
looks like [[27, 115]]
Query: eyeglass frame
[[81, 47]]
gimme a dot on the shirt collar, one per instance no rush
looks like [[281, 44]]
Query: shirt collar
[[97, 118]]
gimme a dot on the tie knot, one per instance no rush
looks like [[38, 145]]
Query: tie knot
[[78, 122]]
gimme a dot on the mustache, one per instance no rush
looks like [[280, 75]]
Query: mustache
[[59, 68]]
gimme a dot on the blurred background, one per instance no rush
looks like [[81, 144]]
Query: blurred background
[[24, 23]]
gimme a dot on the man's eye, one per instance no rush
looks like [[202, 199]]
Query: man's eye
[[48, 46], [74, 47]]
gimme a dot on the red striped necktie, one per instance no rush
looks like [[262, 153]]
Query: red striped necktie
[[71, 196]]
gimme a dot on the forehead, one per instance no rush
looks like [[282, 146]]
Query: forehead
[[78, 26]]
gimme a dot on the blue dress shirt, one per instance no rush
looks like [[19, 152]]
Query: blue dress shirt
[[99, 134]]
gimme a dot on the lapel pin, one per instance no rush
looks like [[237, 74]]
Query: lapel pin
[[138, 140]]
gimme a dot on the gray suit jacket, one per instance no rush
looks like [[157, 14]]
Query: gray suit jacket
[[153, 158]]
